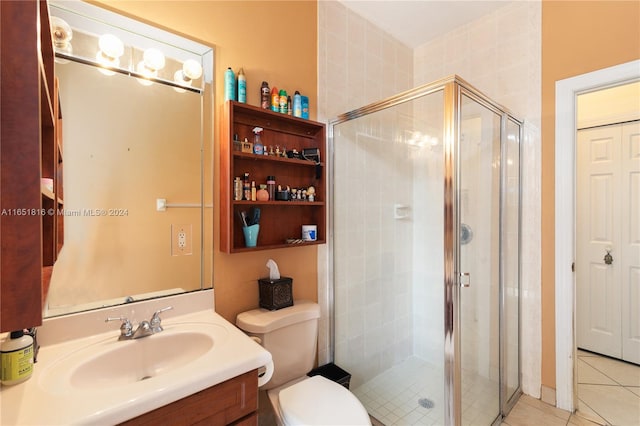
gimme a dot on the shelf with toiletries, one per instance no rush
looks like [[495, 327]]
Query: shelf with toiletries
[[288, 163]]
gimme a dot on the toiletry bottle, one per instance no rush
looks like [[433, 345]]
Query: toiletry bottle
[[237, 189], [297, 104], [264, 95], [229, 85], [289, 106], [16, 358], [246, 188], [305, 106], [275, 99], [253, 190], [262, 194], [282, 106], [271, 187], [242, 87], [258, 148]]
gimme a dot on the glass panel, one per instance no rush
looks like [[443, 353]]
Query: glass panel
[[388, 259], [479, 210], [510, 259]]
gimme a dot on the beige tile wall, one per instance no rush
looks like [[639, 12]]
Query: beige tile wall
[[500, 55]]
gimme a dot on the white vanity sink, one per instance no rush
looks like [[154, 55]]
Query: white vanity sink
[[113, 363], [85, 375]]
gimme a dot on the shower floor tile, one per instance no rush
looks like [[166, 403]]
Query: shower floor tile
[[412, 393]]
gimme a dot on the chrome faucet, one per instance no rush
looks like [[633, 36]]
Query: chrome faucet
[[144, 329], [126, 328], [155, 323]]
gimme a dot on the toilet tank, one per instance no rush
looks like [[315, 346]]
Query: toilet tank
[[289, 334]]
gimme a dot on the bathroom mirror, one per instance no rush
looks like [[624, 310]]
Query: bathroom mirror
[[137, 157]]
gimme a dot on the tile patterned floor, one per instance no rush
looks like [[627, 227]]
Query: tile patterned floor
[[608, 394]]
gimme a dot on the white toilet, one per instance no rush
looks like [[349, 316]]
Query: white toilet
[[290, 334]]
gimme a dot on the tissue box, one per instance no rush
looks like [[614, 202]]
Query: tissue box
[[276, 294]]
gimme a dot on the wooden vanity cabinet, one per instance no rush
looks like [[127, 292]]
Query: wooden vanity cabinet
[[279, 220], [234, 402], [29, 151]]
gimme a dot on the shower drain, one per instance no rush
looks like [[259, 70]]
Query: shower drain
[[426, 403]]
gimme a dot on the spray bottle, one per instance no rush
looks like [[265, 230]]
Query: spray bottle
[[258, 148], [242, 87], [229, 85]]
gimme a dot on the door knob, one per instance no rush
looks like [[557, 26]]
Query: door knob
[[608, 259]]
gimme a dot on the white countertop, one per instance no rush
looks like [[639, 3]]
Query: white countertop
[[33, 403]]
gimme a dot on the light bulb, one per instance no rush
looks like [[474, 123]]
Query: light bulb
[[181, 79], [153, 59], [192, 69], [146, 73], [61, 33], [110, 46]]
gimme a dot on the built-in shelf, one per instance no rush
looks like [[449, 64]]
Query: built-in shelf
[[280, 221]]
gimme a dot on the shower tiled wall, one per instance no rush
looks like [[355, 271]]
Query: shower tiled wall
[[500, 54], [359, 64]]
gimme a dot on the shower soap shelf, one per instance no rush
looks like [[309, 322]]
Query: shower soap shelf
[[280, 221]]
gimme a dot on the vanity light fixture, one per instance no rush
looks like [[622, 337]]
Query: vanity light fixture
[[191, 70], [111, 48], [61, 33]]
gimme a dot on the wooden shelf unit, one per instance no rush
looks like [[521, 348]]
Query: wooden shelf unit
[[280, 220], [30, 151]]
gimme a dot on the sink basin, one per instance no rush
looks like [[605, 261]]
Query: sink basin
[[140, 359], [112, 363]]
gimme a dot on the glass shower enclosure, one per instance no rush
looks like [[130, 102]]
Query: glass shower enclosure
[[425, 236]]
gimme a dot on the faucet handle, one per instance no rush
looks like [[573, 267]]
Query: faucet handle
[[126, 329], [155, 322]]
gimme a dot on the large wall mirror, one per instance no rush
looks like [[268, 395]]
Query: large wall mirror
[[137, 158]]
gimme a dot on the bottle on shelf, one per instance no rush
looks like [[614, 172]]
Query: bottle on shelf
[[297, 104], [229, 85], [264, 95], [237, 189], [246, 188], [282, 102], [271, 187], [242, 87], [275, 99], [258, 147], [262, 194]]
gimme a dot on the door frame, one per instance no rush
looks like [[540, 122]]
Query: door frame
[[565, 183]]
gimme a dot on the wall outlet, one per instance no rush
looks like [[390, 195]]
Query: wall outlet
[[181, 240]]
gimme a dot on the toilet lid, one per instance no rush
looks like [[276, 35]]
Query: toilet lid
[[320, 401]]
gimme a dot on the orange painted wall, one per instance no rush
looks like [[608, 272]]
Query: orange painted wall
[[577, 37], [275, 41]]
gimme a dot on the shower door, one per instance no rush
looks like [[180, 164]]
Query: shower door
[[479, 216], [488, 247], [424, 234], [388, 231]]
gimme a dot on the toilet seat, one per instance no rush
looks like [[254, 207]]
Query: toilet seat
[[320, 401]]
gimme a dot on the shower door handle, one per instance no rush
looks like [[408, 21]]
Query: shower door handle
[[465, 279]]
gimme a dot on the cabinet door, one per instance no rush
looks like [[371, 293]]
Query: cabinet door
[[20, 204]]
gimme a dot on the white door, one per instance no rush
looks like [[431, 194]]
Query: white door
[[630, 256], [608, 240]]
